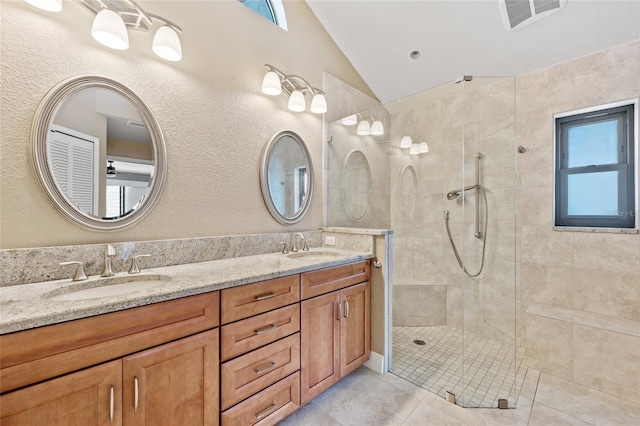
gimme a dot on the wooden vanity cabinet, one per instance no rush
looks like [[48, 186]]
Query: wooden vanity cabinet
[[260, 381], [84, 372], [82, 398], [335, 335]]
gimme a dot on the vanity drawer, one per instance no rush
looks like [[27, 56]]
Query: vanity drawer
[[246, 335], [252, 372], [248, 300], [267, 407], [323, 281], [38, 354]]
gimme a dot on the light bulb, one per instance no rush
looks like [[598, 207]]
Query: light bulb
[[318, 104], [406, 142], [424, 147], [296, 101], [377, 128], [364, 128], [350, 120], [415, 149], [166, 44], [48, 5], [271, 84], [109, 29]]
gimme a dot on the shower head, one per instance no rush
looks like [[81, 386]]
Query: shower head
[[452, 195]]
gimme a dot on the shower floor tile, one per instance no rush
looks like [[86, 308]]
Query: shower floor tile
[[484, 375]]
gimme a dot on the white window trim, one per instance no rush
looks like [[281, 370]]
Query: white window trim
[[278, 11]]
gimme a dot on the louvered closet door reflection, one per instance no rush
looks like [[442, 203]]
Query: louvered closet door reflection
[[73, 165]]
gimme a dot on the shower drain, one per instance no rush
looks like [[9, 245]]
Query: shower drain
[[419, 342]]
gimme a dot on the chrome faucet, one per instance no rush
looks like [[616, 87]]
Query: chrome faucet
[[109, 252], [294, 242]]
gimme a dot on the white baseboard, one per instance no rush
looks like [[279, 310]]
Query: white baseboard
[[376, 363]]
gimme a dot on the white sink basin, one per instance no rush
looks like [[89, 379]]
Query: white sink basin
[[313, 254], [106, 287]]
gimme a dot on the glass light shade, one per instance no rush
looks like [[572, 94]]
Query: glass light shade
[[48, 5], [364, 128], [318, 104], [350, 120], [415, 149], [377, 128], [166, 44], [424, 147], [109, 29], [406, 142], [296, 101], [271, 84]]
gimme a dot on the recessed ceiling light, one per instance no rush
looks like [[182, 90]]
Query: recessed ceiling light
[[415, 54]]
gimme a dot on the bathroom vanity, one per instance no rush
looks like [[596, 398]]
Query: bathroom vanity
[[249, 348]]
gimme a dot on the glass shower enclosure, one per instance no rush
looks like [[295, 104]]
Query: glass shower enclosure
[[442, 176]]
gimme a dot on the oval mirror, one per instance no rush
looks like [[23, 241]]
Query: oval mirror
[[286, 177], [98, 153], [408, 190], [356, 193]]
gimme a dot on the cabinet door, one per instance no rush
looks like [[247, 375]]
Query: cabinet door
[[356, 328], [88, 397], [173, 384], [320, 344]]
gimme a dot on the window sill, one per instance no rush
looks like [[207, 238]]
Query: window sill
[[596, 230]]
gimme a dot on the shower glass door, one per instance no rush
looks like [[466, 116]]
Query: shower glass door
[[481, 291], [443, 173]]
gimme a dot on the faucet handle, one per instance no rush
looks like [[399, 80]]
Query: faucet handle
[[135, 268], [80, 274], [305, 246], [285, 249]]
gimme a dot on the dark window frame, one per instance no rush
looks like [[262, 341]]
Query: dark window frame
[[625, 166]]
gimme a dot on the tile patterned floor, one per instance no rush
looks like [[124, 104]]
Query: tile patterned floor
[[365, 398], [487, 373]]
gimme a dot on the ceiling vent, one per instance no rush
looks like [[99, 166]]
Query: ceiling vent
[[520, 13]]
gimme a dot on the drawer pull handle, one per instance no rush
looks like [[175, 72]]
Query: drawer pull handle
[[265, 369], [346, 309], [266, 296], [111, 403], [264, 413], [265, 329], [135, 394]]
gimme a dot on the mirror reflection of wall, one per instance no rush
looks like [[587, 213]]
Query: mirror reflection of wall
[[288, 175], [91, 130]]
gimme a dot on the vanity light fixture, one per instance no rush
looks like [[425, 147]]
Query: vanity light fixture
[[108, 29], [414, 147], [115, 17], [275, 82], [364, 128], [48, 5], [405, 142], [377, 129], [350, 120]]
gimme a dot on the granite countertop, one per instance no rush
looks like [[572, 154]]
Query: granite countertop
[[28, 306]]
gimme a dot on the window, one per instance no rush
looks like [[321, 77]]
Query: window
[[272, 10], [595, 168]]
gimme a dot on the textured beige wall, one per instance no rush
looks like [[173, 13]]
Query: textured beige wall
[[209, 105]]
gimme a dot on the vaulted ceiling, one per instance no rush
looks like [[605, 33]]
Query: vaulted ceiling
[[468, 37]]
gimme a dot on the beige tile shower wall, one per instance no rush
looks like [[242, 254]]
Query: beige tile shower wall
[[479, 118], [579, 272], [214, 117]]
